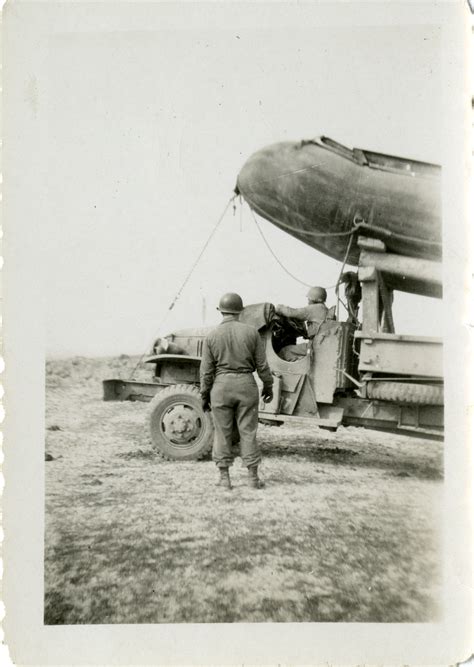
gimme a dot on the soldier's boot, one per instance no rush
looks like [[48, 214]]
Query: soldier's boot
[[224, 478], [254, 480]]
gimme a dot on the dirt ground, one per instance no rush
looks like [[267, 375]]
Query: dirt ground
[[346, 529]]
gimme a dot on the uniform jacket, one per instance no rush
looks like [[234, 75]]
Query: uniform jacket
[[314, 314], [233, 347]]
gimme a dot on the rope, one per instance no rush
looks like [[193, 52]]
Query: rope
[[289, 272], [186, 280], [345, 258], [273, 254], [203, 250], [301, 231], [358, 224], [339, 300], [403, 237]]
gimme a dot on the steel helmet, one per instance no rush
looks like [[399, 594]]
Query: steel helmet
[[230, 303], [317, 294]]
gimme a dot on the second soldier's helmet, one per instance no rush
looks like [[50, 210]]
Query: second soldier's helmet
[[230, 303], [317, 294]]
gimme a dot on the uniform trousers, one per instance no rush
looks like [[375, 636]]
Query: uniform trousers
[[234, 403], [294, 352]]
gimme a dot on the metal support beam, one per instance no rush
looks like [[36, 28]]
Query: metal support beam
[[369, 279], [407, 274], [387, 324]]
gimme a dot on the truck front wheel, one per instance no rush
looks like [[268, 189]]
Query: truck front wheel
[[180, 430]]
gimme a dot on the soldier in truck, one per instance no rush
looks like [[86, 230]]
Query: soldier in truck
[[313, 315]]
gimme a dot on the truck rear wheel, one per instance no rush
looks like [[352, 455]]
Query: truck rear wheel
[[180, 430]]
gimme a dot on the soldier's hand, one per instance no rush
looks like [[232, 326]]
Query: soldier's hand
[[206, 403], [267, 395]]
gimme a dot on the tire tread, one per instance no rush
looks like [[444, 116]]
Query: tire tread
[[157, 399]]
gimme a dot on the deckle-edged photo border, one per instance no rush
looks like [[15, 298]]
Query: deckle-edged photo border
[[28, 26]]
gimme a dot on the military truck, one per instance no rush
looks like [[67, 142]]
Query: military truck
[[356, 372], [352, 374]]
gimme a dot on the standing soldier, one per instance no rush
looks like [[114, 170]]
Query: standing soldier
[[231, 353]]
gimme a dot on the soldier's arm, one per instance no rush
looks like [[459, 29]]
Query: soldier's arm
[[207, 370], [261, 364], [294, 313]]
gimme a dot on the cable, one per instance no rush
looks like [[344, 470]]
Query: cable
[[345, 259], [188, 276], [359, 224], [273, 254], [201, 254], [289, 272], [300, 231], [339, 300], [402, 237]]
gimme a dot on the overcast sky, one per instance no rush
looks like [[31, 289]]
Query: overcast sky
[[144, 135]]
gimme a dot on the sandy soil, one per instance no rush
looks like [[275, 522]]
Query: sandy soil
[[346, 529]]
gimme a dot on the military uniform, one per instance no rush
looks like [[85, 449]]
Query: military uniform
[[231, 353], [314, 314]]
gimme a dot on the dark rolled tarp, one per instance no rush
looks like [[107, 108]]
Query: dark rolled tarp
[[259, 315]]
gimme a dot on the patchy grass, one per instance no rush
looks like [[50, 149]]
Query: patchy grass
[[346, 529]]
